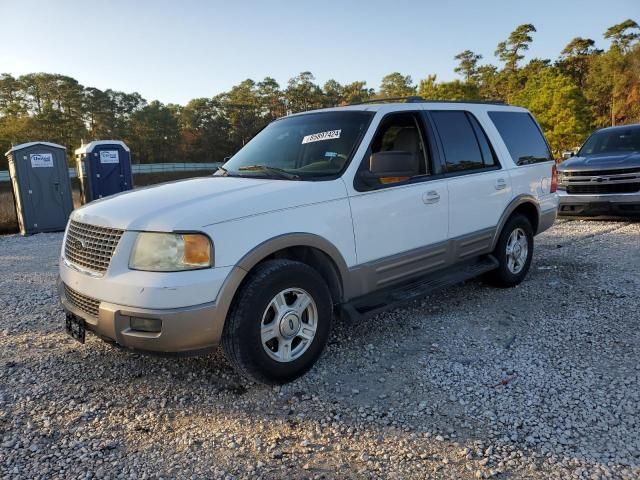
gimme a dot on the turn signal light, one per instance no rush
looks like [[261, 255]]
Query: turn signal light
[[197, 249]]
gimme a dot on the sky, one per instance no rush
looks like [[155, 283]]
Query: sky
[[174, 51]]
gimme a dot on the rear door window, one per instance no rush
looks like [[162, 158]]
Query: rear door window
[[463, 141], [522, 136]]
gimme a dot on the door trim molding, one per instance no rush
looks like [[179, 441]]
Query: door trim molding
[[376, 274]]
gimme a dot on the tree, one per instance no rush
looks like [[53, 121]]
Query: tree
[[271, 99], [124, 106], [154, 133], [627, 89], [356, 92], [204, 132], [509, 51], [467, 65], [622, 35], [397, 85], [575, 57], [242, 108], [559, 106], [611, 83], [99, 116], [488, 83], [303, 94], [333, 93], [10, 96], [456, 90]]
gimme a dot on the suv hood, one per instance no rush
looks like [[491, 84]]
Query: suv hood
[[195, 203], [602, 162]]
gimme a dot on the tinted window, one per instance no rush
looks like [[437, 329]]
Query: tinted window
[[459, 141], [618, 140], [488, 155], [522, 137]]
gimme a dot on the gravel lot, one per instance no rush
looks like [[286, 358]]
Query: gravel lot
[[540, 381]]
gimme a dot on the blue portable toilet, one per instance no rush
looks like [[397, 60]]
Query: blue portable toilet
[[103, 168]]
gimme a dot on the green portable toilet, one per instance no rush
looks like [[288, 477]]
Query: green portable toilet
[[41, 186]]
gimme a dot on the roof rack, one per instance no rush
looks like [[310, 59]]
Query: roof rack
[[418, 99]]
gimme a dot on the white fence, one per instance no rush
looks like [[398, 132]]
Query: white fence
[[148, 168]]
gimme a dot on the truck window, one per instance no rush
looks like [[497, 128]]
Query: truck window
[[465, 145], [522, 136], [401, 132]]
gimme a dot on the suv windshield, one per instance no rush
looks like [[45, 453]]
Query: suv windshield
[[301, 147], [618, 140]]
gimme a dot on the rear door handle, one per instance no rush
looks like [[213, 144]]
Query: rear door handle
[[431, 197], [501, 184]]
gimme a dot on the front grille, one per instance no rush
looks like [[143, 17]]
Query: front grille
[[599, 173], [85, 304], [597, 188], [91, 247]]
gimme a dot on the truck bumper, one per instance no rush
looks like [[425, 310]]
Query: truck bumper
[[621, 204], [185, 330]]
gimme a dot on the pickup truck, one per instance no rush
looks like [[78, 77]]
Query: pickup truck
[[331, 214], [603, 178]]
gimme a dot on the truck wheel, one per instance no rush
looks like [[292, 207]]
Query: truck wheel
[[514, 251], [279, 322]]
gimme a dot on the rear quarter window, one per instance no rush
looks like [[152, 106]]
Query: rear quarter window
[[522, 136]]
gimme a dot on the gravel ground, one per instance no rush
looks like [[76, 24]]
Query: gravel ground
[[540, 381]]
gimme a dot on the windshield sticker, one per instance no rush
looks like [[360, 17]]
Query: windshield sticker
[[330, 154], [318, 137]]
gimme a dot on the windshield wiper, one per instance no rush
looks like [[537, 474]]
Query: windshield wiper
[[225, 172], [272, 170]]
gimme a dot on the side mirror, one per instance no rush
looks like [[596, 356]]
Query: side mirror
[[393, 164], [567, 154]]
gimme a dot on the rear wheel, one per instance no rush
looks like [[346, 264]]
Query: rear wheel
[[279, 322], [514, 252]]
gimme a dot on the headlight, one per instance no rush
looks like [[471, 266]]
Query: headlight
[[561, 185], [171, 252]]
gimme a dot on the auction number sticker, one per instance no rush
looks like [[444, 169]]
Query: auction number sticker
[[109, 156], [40, 160], [318, 137]]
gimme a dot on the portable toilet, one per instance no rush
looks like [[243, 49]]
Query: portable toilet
[[41, 187], [104, 168]]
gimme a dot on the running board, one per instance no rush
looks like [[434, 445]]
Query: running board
[[392, 297]]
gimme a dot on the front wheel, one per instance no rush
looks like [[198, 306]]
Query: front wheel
[[514, 252], [279, 322]]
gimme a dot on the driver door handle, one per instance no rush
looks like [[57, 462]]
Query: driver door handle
[[431, 197]]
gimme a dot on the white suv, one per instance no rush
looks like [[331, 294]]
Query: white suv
[[337, 212]]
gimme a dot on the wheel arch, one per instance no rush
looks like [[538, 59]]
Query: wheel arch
[[526, 205], [311, 249]]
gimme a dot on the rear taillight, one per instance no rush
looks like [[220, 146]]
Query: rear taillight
[[554, 179]]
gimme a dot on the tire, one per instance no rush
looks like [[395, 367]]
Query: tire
[[510, 273], [270, 303]]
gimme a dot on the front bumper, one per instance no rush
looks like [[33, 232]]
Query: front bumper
[[188, 330], [620, 204]]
